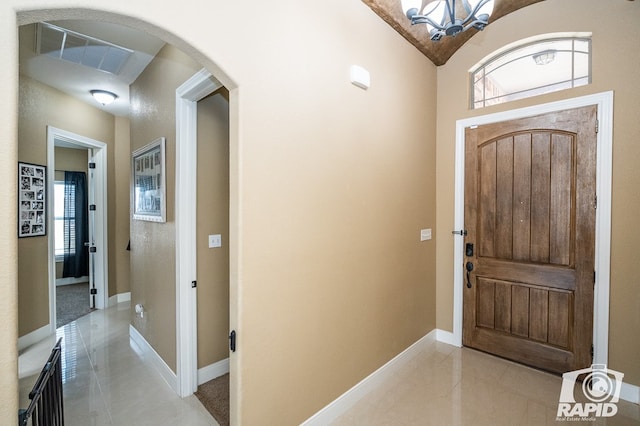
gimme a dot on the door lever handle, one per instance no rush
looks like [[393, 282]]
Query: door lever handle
[[469, 268]]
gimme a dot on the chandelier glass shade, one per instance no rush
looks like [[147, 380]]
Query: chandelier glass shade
[[440, 16]]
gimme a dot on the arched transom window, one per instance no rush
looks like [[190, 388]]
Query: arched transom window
[[531, 68]]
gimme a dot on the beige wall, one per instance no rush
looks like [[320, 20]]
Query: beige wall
[[41, 106], [73, 160], [615, 65], [330, 186], [119, 234], [152, 256], [213, 218], [70, 159], [336, 184]]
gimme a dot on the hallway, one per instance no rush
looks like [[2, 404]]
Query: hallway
[[106, 379]]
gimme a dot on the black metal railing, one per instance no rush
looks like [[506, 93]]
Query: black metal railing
[[46, 406]]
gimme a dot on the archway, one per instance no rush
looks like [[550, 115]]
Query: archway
[[26, 17]]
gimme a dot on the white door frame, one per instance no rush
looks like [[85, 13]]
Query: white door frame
[[188, 94], [604, 103], [100, 177]]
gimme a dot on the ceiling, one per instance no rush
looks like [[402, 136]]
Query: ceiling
[[76, 79], [438, 52]]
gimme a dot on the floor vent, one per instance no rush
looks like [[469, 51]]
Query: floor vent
[[81, 49]]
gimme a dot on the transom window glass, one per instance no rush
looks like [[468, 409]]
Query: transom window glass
[[531, 69]]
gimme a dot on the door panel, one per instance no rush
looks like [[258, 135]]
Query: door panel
[[530, 210], [540, 191]]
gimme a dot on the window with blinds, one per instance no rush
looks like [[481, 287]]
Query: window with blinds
[[64, 220]]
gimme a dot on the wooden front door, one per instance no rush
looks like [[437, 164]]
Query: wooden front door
[[530, 215]]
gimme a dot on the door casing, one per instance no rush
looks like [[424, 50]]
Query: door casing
[[604, 103]]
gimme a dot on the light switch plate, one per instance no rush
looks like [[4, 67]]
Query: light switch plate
[[425, 234], [215, 241]]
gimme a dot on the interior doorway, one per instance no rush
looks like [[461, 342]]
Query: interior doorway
[[95, 246], [202, 241], [71, 233], [199, 86]]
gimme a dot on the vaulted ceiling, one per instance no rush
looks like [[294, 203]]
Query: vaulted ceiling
[[438, 52]]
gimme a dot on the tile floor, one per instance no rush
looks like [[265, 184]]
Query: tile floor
[[106, 379], [446, 385], [108, 382]]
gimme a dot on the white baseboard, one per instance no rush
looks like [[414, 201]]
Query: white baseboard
[[148, 352], [630, 393], [34, 337], [71, 280], [213, 371], [446, 337], [369, 383], [119, 298]]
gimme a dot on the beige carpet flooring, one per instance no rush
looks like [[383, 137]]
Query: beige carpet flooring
[[214, 395]]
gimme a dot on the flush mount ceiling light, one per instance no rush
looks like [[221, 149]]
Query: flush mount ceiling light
[[103, 96], [544, 57], [440, 16]]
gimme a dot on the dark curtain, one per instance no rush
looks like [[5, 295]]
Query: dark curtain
[[76, 225]]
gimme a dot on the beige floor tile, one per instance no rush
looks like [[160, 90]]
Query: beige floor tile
[[445, 385], [107, 382]]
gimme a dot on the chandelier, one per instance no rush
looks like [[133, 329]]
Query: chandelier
[[440, 16]]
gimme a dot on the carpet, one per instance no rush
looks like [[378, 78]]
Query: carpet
[[72, 302], [214, 395]]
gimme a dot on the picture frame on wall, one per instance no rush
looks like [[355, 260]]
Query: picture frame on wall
[[148, 184], [32, 200]]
